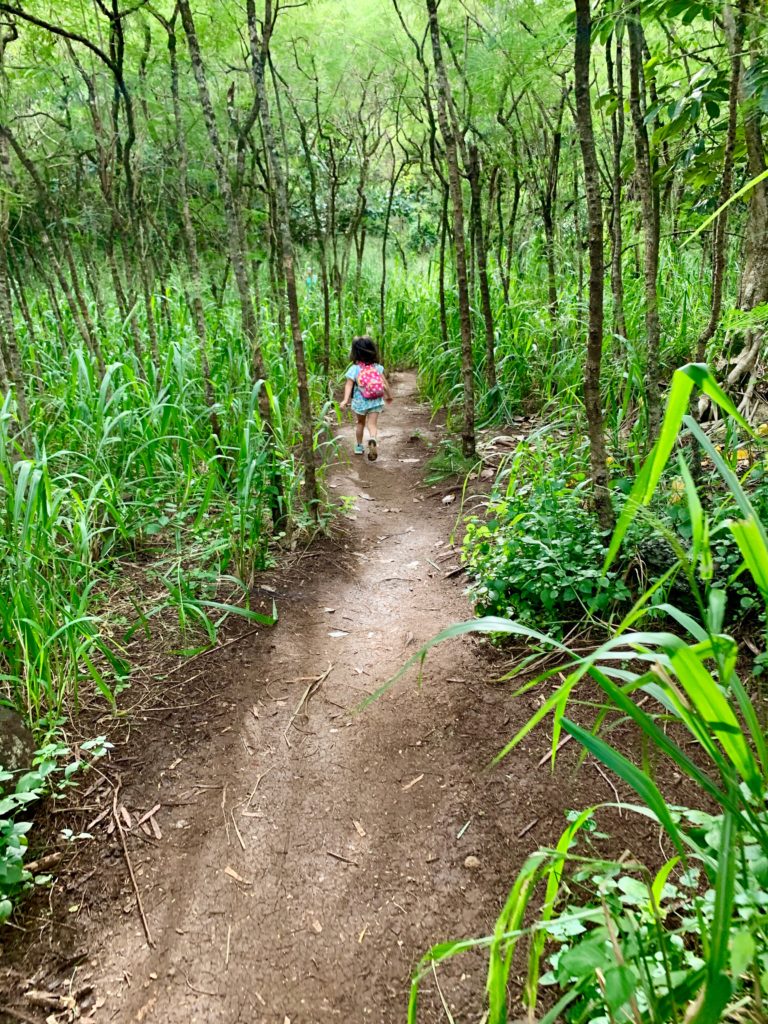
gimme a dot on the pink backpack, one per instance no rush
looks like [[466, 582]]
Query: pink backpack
[[370, 381]]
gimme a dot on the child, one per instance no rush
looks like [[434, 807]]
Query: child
[[368, 395]]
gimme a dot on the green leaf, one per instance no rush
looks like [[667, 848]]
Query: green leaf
[[648, 478], [737, 195], [742, 952], [645, 788], [749, 537], [620, 985], [583, 959]]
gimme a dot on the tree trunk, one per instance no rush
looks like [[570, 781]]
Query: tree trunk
[[320, 238], [482, 266], [592, 397], [441, 268], [649, 208], [457, 202], [745, 21], [719, 234], [235, 252], [13, 354], [259, 60], [616, 85], [188, 231], [384, 240]]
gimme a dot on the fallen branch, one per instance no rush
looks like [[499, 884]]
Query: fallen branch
[[211, 650], [305, 697], [559, 747], [341, 857], [129, 865], [44, 862], [455, 572]]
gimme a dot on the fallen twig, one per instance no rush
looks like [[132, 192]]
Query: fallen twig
[[199, 991], [44, 862], [258, 781], [311, 689], [18, 1015], [527, 829], [341, 857], [560, 745], [129, 865], [211, 650], [615, 791], [237, 830], [149, 814]]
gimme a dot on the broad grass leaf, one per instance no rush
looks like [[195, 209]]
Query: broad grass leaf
[[715, 711], [642, 784]]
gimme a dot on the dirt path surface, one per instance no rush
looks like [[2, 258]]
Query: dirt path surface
[[310, 855]]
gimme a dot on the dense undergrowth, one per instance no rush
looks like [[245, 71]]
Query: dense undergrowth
[[125, 471], [636, 939]]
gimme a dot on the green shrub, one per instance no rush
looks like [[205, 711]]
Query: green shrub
[[53, 771], [537, 557], [688, 945]]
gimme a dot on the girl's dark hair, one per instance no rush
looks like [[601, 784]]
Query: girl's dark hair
[[364, 350]]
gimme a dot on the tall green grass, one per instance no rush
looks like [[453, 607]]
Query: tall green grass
[[688, 940], [124, 470]]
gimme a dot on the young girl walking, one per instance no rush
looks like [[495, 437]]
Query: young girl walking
[[368, 388]]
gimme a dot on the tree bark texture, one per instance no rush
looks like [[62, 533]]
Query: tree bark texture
[[592, 396], [649, 208], [482, 265], [445, 120], [259, 60]]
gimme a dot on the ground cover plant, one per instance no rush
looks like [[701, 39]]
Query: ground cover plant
[[617, 939], [545, 209]]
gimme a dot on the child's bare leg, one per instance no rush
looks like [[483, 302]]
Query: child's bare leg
[[373, 425], [359, 428]]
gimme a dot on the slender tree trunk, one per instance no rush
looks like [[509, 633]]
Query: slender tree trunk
[[13, 353], [320, 236], [578, 243], [53, 299], [441, 268], [616, 84], [259, 60], [592, 397], [188, 231], [457, 201], [719, 234], [5, 383], [384, 240], [507, 273], [17, 285], [482, 266], [235, 252], [650, 219], [747, 18]]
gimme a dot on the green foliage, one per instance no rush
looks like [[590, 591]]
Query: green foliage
[[127, 469], [688, 943], [537, 555], [53, 772]]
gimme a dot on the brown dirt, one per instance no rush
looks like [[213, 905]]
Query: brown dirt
[[309, 859]]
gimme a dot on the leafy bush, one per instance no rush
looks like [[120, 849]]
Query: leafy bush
[[537, 557], [53, 771], [689, 944]]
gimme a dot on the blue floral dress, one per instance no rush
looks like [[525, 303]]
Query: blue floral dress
[[362, 406]]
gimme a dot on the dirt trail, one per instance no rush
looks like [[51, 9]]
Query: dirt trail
[[309, 859]]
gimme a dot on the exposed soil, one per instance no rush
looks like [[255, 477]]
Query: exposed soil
[[312, 852]]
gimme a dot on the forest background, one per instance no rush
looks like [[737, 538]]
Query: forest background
[[547, 210]]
